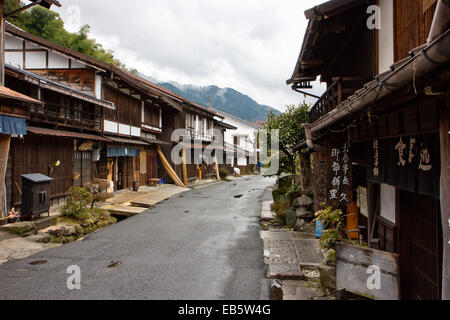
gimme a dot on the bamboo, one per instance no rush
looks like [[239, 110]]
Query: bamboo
[[217, 168], [185, 177], [168, 168]]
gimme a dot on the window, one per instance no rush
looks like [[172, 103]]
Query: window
[[82, 168]]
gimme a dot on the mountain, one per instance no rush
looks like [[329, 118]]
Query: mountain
[[227, 100]]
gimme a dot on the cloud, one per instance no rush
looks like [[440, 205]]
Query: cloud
[[251, 46]]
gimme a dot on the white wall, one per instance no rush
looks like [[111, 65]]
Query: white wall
[[386, 36], [36, 59], [242, 131], [387, 200]]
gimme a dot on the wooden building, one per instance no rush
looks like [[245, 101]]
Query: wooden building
[[96, 120], [380, 133]]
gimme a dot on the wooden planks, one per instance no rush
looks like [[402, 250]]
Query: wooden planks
[[353, 265]]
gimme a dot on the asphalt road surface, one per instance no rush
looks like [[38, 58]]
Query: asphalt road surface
[[202, 244]]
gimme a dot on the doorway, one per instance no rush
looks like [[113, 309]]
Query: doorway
[[420, 247]]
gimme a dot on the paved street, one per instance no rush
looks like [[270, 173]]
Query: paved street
[[203, 244]]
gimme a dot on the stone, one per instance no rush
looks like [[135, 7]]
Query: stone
[[79, 229], [304, 213], [291, 218], [57, 232], [299, 225], [303, 201], [276, 290], [309, 228], [327, 276], [44, 223], [40, 238], [69, 231], [19, 228]]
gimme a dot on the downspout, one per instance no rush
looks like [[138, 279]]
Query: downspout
[[309, 139]]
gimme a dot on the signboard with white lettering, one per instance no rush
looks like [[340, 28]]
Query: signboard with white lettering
[[339, 173], [411, 163]]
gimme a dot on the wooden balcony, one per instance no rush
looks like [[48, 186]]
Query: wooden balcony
[[329, 101], [192, 134], [67, 117]]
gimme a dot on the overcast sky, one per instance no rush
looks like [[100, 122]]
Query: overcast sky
[[249, 45]]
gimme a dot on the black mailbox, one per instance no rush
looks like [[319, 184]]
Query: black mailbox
[[35, 195]]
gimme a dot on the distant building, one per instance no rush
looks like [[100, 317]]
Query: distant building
[[240, 144]]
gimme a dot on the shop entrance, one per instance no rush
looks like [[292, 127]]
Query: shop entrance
[[420, 247]]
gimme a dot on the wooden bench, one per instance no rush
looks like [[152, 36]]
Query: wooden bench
[[154, 182]]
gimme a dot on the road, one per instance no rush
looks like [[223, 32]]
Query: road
[[202, 244]]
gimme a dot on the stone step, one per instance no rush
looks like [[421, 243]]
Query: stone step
[[125, 211]]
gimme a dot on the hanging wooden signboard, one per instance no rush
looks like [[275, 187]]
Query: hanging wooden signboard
[[339, 172]]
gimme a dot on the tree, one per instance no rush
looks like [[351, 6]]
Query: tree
[[48, 24], [291, 131]]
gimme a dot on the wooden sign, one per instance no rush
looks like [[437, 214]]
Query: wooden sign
[[366, 272], [339, 172]]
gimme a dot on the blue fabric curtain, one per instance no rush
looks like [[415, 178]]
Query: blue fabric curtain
[[12, 125], [115, 151]]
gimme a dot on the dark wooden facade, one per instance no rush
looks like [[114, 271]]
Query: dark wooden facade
[[395, 145]]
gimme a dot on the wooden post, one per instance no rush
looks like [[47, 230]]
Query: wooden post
[[2, 45], [320, 181], [217, 168], [305, 171], [445, 198], [168, 168], [371, 208], [185, 176], [4, 152]]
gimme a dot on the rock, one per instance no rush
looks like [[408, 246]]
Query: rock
[[79, 229], [304, 213], [299, 225], [57, 232], [327, 276], [291, 218], [276, 290], [69, 231], [42, 237], [309, 228], [303, 201], [18, 228]]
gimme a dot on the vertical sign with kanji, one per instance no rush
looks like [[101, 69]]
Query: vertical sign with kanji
[[339, 173]]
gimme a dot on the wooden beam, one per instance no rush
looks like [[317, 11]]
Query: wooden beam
[[4, 152], [445, 198]]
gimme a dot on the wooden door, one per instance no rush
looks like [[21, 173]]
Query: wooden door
[[152, 164], [420, 247]]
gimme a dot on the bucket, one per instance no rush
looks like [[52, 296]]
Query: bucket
[[319, 229]]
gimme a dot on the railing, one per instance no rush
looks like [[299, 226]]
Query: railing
[[192, 134], [54, 113], [329, 101]]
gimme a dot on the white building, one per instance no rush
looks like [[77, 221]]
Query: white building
[[240, 144]]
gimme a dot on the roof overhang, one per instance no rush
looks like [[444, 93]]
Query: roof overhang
[[45, 83], [6, 93], [65, 134]]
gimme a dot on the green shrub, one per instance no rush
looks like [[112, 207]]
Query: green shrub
[[332, 220], [280, 208], [77, 205], [223, 173], [80, 205]]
